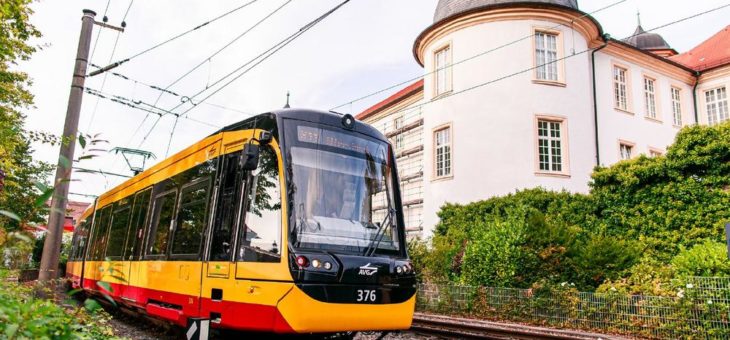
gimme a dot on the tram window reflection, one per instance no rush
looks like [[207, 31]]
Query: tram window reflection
[[261, 239]]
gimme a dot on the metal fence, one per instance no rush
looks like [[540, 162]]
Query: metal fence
[[700, 311]]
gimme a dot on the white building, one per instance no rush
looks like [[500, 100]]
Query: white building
[[524, 94]]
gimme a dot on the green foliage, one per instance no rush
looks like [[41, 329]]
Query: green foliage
[[23, 316], [601, 258], [494, 254], [622, 236], [704, 259], [17, 196], [671, 201]]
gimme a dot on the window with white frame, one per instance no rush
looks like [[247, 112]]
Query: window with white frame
[[442, 152], [400, 136], [716, 101], [677, 106], [654, 153], [550, 145], [650, 97], [443, 70], [546, 56], [621, 100], [626, 151]]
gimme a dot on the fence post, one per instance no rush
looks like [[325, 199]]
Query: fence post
[[727, 238]]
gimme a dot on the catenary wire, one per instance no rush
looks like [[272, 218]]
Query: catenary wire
[[179, 35], [158, 88], [136, 104], [468, 59], [260, 58], [172, 133], [228, 44], [96, 41], [127, 11], [111, 57]]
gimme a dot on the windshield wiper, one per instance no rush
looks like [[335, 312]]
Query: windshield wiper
[[370, 250]]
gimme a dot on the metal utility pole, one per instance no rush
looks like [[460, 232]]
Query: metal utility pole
[[57, 216]]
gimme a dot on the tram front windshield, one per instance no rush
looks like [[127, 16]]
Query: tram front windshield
[[343, 192]]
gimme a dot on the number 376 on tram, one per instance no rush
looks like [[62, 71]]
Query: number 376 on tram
[[289, 222]]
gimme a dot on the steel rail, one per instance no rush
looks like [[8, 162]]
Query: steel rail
[[461, 328]]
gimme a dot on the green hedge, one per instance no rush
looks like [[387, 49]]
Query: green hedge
[[638, 216]]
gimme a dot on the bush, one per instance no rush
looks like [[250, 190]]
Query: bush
[[704, 259], [603, 258], [23, 316], [494, 255]]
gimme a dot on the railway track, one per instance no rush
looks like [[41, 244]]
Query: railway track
[[461, 328]]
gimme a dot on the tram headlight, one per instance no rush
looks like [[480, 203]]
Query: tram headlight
[[327, 265], [302, 262], [316, 263]]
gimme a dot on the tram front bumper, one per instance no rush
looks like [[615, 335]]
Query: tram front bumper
[[303, 314]]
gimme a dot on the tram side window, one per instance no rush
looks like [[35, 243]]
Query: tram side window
[[101, 227], [164, 211], [74, 247], [261, 239], [223, 224], [191, 218], [118, 230], [138, 218], [82, 233]]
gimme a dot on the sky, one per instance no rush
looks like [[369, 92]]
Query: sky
[[362, 48]]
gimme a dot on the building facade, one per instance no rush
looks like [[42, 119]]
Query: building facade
[[524, 94]]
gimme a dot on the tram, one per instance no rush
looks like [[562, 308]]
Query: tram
[[287, 222]]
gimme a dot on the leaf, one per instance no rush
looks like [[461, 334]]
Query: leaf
[[109, 298], [41, 186], [74, 291], [11, 329], [43, 198], [9, 215], [64, 162], [21, 237], [85, 157], [120, 278], [91, 305], [105, 285], [82, 140]]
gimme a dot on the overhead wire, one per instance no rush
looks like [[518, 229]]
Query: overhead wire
[[158, 88], [420, 105], [96, 41], [492, 50], [138, 104], [172, 133], [259, 59], [111, 57], [127, 12], [228, 44], [179, 35]]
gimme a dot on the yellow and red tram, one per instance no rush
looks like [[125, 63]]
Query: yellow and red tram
[[287, 222]]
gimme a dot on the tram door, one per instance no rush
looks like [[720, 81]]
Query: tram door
[[133, 248], [218, 283], [227, 203]]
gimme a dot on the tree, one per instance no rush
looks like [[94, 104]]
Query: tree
[[18, 194]]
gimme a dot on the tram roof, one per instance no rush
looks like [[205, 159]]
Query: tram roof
[[313, 116]]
